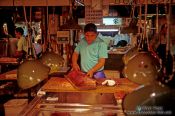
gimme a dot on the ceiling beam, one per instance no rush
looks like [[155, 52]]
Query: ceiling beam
[[34, 2]]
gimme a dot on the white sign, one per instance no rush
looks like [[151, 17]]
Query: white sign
[[62, 33], [112, 21], [63, 36]]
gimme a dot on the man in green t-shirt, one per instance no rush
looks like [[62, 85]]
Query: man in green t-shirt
[[92, 51]]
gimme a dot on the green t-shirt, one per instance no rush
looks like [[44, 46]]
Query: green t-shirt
[[90, 54]]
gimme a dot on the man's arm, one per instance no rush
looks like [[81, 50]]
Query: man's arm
[[18, 54], [75, 65], [101, 63]]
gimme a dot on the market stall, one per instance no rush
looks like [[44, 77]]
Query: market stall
[[126, 26]]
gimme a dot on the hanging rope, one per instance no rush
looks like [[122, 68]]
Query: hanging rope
[[157, 18], [145, 23], [132, 11], [25, 15], [168, 15], [140, 18], [53, 15], [145, 20], [49, 47], [29, 25], [47, 18]]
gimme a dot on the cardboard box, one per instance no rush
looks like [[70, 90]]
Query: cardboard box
[[112, 73], [14, 106]]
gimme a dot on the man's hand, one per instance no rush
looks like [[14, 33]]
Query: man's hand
[[17, 54], [75, 67], [90, 73]]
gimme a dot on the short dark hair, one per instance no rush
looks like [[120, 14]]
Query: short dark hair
[[20, 30], [90, 27]]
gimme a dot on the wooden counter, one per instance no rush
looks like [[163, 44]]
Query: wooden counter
[[8, 76], [8, 60], [56, 84], [69, 97]]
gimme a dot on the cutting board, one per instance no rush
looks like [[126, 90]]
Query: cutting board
[[84, 85], [57, 84]]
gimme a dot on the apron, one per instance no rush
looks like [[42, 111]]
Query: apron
[[99, 75]]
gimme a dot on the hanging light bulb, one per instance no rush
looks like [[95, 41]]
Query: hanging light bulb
[[152, 99], [141, 65], [31, 71], [155, 98], [52, 60], [133, 51], [143, 68]]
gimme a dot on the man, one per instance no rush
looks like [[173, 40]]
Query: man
[[22, 43], [158, 43], [92, 51]]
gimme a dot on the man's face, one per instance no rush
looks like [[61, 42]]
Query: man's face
[[90, 36], [17, 34]]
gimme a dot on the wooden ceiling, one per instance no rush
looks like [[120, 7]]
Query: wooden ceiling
[[85, 2]]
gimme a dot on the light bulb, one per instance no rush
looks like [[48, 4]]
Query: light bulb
[[30, 73], [150, 100], [142, 68], [52, 60]]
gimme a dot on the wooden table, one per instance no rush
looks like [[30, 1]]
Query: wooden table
[[5, 61], [56, 84], [8, 60], [10, 75], [8, 82], [65, 93]]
